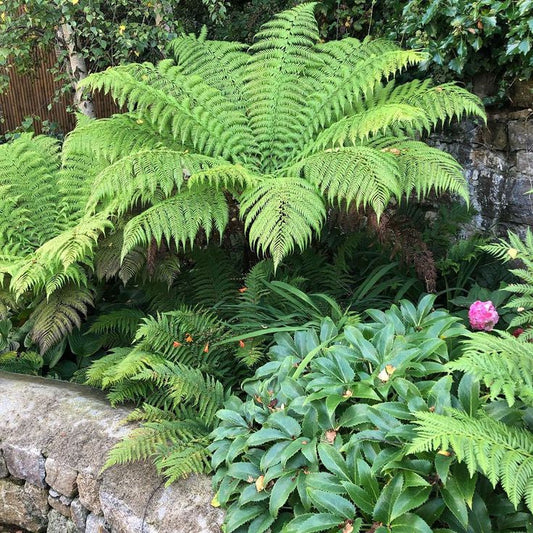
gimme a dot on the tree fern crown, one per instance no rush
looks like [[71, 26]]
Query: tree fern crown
[[282, 126]]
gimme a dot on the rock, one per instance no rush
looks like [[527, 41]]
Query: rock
[[96, 524], [25, 463], [3, 467], [57, 523], [61, 477], [77, 428], [59, 506], [521, 93], [88, 489], [24, 505], [78, 514], [496, 135], [157, 508], [520, 135], [524, 162]]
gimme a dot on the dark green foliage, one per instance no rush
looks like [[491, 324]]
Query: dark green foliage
[[319, 442]]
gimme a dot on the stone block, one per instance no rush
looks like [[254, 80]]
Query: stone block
[[522, 93], [24, 505], [61, 477], [524, 163], [520, 135], [78, 514], [25, 463], [57, 523], [96, 524], [88, 490], [59, 506]]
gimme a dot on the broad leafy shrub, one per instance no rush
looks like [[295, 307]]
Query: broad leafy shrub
[[319, 442]]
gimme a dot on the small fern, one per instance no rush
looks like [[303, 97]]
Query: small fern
[[503, 453], [521, 250]]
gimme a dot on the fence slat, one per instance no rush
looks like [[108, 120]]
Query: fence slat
[[29, 94]]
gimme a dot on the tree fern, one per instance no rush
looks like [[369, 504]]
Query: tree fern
[[278, 126], [503, 453]]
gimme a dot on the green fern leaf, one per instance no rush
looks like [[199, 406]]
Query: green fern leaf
[[280, 214]]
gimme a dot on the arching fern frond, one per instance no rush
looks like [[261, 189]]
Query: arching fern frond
[[423, 168], [178, 447], [501, 452], [441, 103], [196, 114], [504, 364], [360, 174], [139, 175], [56, 317], [355, 129], [350, 70], [281, 214], [178, 219]]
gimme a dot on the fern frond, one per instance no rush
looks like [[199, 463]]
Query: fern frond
[[213, 279], [355, 129], [350, 70], [278, 84], [441, 103], [280, 214], [424, 168], [57, 316], [139, 175], [503, 363], [96, 373], [361, 175], [501, 452], [29, 167], [178, 219], [131, 365], [179, 447], [196, 114], [185, 384], [118, 325], [113, 138], [220, 64]]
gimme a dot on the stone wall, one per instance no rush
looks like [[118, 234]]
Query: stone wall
[[54, 438], [498, 163]]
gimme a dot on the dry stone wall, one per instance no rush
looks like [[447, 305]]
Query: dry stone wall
[[54, 438], [498, 164]]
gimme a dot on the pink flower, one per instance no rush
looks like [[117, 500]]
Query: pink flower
[[483, 315]]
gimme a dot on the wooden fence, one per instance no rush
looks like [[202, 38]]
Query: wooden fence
[[30, 94]]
